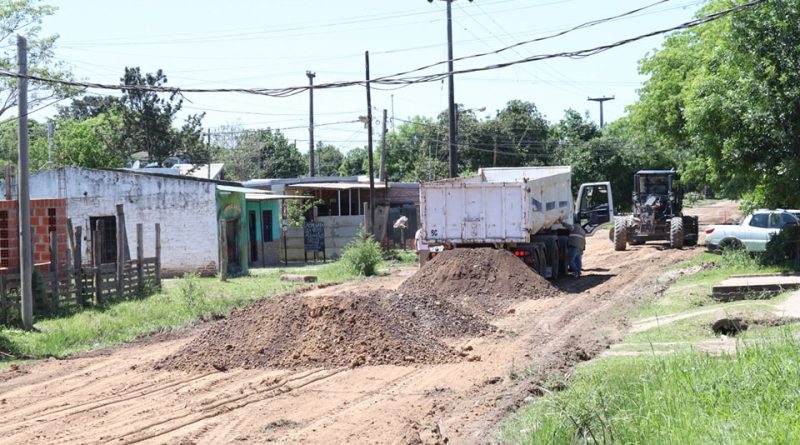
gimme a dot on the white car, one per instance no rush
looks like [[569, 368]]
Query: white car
[[752, 234]]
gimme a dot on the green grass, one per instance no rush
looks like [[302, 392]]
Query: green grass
[[685, 398], [694, 290], [180, 302]]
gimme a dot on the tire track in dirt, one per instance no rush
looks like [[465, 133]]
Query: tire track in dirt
[[224, 407]]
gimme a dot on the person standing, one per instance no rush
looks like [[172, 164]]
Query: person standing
[[421, 247], [576, 244]]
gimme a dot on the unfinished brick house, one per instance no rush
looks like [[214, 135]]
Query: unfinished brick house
[[48, 216]]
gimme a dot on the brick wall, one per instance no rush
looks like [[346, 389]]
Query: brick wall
[[46, 215]]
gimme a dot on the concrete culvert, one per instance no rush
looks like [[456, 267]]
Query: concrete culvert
[[729, 326]]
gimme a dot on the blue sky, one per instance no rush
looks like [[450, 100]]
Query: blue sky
[[271, 44]]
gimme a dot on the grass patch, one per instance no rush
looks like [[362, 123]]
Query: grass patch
[[180, 302], [693, 290], [751, 397]]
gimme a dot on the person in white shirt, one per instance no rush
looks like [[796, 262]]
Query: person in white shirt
[[421, 247]]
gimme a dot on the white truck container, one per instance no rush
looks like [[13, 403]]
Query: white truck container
[[520, 209]]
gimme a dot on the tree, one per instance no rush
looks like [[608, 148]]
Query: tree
[[91, 143], [330, 159], [353, 162], [147, 121], [88, 107], [263, 153], [25, 17], [725, 98], [525, 132]]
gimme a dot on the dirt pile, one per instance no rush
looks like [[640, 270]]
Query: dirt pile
[[449, 297], [344, 330], [490, 279]]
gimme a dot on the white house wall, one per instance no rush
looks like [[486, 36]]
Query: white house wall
[[186, 210]]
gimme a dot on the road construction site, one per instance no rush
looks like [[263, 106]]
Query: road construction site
[[439, 355]]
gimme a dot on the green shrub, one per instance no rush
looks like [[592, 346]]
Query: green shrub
[[691, 198], [782, 248], [362, 255]]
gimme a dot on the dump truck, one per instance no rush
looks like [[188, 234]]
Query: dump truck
[[525, 210]]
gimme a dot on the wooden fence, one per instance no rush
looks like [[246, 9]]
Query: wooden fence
[[83, 285]]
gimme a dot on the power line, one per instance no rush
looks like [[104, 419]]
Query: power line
[[397, 78]]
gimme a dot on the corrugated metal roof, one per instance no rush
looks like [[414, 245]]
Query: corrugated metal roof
[[336, 185]]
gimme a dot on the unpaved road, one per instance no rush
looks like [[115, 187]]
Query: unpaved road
[[115, 395]]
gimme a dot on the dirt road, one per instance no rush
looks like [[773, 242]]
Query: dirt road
[[116, 395]]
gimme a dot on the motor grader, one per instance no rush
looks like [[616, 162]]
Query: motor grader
[[657, 213]]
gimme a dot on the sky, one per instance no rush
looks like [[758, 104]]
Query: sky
[[272, 43]]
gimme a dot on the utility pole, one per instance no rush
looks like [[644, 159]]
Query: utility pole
[[452, 132], [382, 172], [51, 128], [369, 152], [310, 122], [392, 112], [23, 194], [208, 146], [600, 100]]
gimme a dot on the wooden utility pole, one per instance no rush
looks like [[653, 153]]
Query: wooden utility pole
[[23, 194], [310, 122], [369, 152]]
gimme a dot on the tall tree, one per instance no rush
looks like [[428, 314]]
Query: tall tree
[[25, 17], [354, 162], [725, 96], [147, 119]]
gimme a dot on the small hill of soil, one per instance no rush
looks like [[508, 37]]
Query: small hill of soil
[[492, 279], [344, 330]]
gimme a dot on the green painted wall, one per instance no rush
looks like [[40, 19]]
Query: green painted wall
[[230, 206], [258, 207]]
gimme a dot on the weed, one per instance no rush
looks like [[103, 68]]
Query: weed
[[362, 255], [277, 424]]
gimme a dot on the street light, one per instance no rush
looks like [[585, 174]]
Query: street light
[[452, 133]]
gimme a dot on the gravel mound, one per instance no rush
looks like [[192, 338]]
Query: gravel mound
[[489, 279], [344, 330]]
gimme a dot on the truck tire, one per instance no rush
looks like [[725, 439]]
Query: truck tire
[[676, 233], [555, 261], [620, 232], [690, 230]]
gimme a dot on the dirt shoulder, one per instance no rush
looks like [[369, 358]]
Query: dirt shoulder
[[118, 396]]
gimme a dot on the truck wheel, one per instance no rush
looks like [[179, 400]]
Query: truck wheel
[[619, 234], [690, 231], [676, 232], [555, 263]]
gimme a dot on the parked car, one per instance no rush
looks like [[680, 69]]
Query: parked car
[[752, 234]]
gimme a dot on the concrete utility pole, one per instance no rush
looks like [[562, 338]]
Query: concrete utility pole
[[310, 122], [600, 100], [452, 128], [23, 194], [382, 172], [369, 151]]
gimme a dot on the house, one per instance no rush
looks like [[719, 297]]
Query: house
[[341, 204], [190, 212]]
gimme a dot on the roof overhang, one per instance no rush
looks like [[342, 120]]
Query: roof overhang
[[230, 188], [263, 197], [336, 185]]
